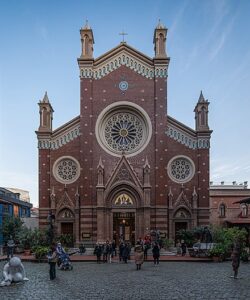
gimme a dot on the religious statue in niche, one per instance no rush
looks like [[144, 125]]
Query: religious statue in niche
[[181, 214], [123, 199], [67, 214]]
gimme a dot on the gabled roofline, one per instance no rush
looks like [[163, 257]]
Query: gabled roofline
[[181, 126], [119, 48], [66, 126]]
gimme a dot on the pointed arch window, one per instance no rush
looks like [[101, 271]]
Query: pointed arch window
[[222, 210], [244, 210]]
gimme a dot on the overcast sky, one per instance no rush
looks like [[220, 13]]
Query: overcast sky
[[208, 42]]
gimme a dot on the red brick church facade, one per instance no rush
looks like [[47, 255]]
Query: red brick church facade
[[123, 167]]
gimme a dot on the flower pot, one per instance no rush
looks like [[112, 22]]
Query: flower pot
[[217, 259], [27, 252]]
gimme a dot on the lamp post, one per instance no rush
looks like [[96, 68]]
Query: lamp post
[[51, 220]]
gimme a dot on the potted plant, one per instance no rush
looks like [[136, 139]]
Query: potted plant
[[40, 252], [25, 238], [217, 253], [244, 255]]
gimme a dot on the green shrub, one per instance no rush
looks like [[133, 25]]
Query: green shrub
[[218, 250], [41, 252], [167, 243]]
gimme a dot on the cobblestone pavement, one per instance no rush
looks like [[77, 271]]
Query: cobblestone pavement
[[169, 280]]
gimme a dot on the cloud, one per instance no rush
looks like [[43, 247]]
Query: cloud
[[222, 170], [177, 20]]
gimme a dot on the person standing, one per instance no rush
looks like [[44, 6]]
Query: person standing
[[146, 248], [82, 249], [98, 252], [156, 253], [10, 247], [138, 255], [113, 248], [52, 259], [236, 259], [183, 248], [178, 247], [125, 253], [121, 247]]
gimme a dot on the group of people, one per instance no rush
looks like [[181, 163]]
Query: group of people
[[181, 247], [106, 251]]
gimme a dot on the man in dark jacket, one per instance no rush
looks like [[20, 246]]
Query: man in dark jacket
[[98, 252], [156, 253]]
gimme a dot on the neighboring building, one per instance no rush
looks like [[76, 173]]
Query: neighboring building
[[123, 167], [32, 222], [23, 195], [12, 205], [223, 207]]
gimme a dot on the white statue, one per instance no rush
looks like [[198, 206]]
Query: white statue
[[13, 271]]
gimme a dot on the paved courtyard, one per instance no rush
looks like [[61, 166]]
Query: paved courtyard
[[169, 280]]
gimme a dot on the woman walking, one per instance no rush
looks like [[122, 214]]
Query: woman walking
[[138, 255]]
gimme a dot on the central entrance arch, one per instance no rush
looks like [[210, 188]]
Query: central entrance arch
[[124, 226], [124, 211]]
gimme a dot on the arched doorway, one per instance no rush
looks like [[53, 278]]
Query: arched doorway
[[65, 220], [124, 216], [182, 221]]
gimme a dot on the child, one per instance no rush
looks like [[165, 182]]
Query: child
[[52, 259]]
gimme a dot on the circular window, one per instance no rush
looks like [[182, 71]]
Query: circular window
[[123, 128], [181, 169], [123, 85], [66, 170]]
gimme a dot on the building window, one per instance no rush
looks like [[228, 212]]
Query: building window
[[181, 169], [5, 209], [123, 199], [123, 128], [15, 210], [66, 169], [244, 210], [222, 210]]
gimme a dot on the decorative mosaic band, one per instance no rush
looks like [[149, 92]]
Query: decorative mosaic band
[[60, 140], [124, 60], [186, 139]]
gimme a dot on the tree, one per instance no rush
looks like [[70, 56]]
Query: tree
[[11, 227]]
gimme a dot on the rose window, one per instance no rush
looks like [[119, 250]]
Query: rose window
[[123, 132], [66, 170], [181, 169], [123, 129]]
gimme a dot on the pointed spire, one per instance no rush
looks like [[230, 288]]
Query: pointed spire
[[146, 165], [201, 114], [170, 194], [160, 25], [194, 192], [86, 26], [77, 192], [100, 164], [46, 98], [53, 192], [160, 37], [201, 98]]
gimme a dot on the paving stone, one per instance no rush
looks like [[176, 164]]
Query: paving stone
[[169, 280]]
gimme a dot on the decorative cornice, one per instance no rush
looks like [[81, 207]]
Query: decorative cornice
[[124, 58], [186, 136], [60, 136]]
